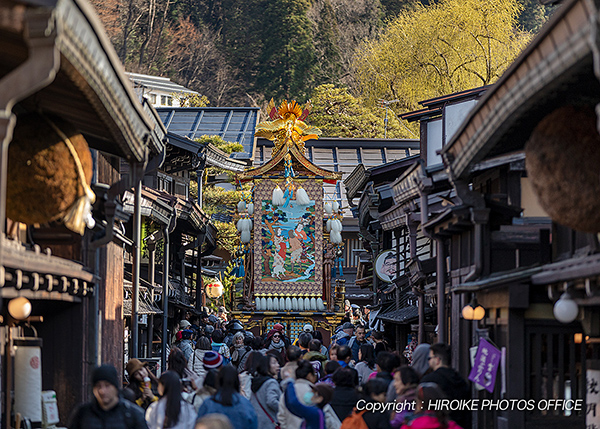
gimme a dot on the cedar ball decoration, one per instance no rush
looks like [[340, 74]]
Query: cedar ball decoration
[[43, 178], [563, 162]]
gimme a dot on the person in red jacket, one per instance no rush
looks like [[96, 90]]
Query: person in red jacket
[[425, 418]]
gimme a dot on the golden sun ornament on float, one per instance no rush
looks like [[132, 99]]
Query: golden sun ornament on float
[[214, 289]]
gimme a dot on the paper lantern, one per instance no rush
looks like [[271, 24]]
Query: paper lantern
[[214, 289]]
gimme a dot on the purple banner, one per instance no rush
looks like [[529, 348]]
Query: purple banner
[[485, 366]]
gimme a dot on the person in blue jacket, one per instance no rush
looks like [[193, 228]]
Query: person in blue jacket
[[230, 402], [313, 415]]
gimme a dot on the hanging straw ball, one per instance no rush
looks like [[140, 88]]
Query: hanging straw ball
[[241, 206], [250, 208], [327, 207], [563, 159], [239, 225], [43, 182], [328, 226], [335, 206]]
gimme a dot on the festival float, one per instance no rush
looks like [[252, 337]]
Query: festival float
[[290, 234]]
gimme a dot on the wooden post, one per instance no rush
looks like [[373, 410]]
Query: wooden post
[[151, 276]]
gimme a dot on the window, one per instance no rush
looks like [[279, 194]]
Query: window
[[152, 98], [169, 101], [163, 100]]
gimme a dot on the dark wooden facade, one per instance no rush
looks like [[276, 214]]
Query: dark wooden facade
[[56, 59]]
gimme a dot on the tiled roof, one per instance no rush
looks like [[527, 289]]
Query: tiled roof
[[233, 124]]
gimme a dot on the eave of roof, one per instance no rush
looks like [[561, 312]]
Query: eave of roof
[[559, 56], [90, 89], [350, 143]]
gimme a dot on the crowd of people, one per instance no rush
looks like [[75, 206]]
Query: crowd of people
[[221, 376]]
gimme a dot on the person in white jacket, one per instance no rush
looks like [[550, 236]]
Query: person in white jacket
[[171, 411], [195, 363]]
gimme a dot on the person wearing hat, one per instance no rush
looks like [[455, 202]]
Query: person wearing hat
[[186, 345], [277, 329], [212, 360], [108, 409], [143, 385], [343, 337], [308, 328]]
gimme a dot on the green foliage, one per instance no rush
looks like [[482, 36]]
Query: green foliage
[[245, 52], [228, 237], [338, 114], [439, 49], [216, 199], [191, 100]]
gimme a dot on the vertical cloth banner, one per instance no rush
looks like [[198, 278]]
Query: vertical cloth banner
[[28, 378], [485, 366], [592, 417]]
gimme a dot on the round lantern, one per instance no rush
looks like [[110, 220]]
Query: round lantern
[[214, 289]]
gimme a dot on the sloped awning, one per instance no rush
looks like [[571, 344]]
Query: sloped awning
[[159, 205], [556, 67], [403, 315], [146, 306]]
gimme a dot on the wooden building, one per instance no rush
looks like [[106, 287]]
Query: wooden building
[[523, 237], [57, 61]]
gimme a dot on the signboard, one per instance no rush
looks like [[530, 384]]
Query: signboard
[[485, 365], [386, 265], [592, 416]]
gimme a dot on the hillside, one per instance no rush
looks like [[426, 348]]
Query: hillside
[[245, 52]]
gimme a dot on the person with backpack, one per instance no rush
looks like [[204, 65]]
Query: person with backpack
[[170, 411], [316, 358], [363, 416], [219, 346], [107, 409]]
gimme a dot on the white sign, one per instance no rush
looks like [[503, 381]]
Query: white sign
[[592, 415]]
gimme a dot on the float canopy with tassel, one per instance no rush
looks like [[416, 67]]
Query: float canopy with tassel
[[288, 243]]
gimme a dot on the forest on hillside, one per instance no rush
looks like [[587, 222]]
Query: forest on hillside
[[346, 55]]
